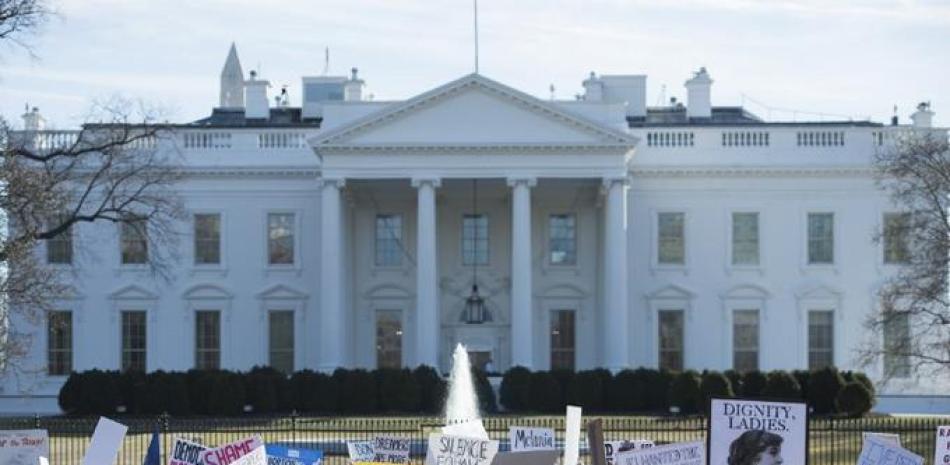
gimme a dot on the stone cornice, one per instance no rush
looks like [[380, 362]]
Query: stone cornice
[[249, 172], [421, 148], [753, 171]]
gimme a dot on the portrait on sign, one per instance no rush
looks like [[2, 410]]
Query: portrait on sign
[[757, 432]]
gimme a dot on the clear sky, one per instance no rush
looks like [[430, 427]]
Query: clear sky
[[854, 58]]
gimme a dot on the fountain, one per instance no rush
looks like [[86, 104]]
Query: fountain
[[461, 406]]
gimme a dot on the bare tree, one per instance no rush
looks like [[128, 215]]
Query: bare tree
[[20, 19], [912, 326]]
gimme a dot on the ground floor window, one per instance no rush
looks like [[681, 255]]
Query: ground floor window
[[60, 343], [388, 339], [745, 340], [562, 340], [671, 339], [281, 340], [897, 344], [133, 341], [207, 339], [820, 339]]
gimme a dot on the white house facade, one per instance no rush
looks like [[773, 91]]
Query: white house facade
[[348, 232]]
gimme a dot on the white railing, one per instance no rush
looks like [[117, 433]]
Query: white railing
[[820, 138], [281, 140], [671, 139], [745, 139], [208, 140]]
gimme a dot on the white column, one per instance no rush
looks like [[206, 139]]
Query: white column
[[332, 316], [522, 334], [616, 353], [428, 325]]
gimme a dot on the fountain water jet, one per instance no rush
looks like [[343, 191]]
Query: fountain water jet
[[462, 417]]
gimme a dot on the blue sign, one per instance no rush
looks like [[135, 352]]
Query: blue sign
[[283, 455]]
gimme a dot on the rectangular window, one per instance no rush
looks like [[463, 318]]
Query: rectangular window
[[562, 237], [60, 343], [745, 340], [134, 241], [207, 339], [745, 238], [207, 239], [671, 340], [896, 230], [133, 341], [897, 344], [388, 240], [820, 339], [821, 238], [562, 340], [671, 241], [388, 339], [474, 240], [59, 249], [280, 238], [281, 340]]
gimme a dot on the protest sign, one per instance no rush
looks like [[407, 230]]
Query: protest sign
[[360, 451], [22, 447], [523, 439], [283, 455], [942, 446], [528, 457], [390, 449], [186, 453], [756, 428], [886, 437], [680, 453], [229, 453], [458, 450], [258, 456], [882, 452], [106, 440], [572, 435], [612, 448]]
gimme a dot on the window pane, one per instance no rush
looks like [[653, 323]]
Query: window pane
[[745, 340], [820, 339], [134, 243], [671, 248], [59, 249], [474, 240], [280, 238], [207, 239], [281, 340], [388, 339], [562, 340], [133, 341], [745, 238], [897, 344], [562, 238], [207, 339], [821, 238], [60, 343], [671, 339], [388, 240], [896, 230]]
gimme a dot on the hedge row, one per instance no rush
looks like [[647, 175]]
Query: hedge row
[[827, 391]]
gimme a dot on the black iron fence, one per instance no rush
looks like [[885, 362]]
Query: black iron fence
[[832, 441]]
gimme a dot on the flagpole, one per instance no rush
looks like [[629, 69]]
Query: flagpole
[[475, 3]]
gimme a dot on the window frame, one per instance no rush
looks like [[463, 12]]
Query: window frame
[[297, 252], [292, 312], [835, 223], [834, 337], [222, 241], [487, 240], [71, 350], [121, 235], [71, 242], [402, 238], [884, 242], [758, 339], [731, 239], [905, 367], [122, 334], [655, 239], [548, 238], [659, 340], [402, 337], [220, 338]]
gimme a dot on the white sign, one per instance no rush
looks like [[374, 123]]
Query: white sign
[[886, 437], [23, 447], [186, 453], [524, 439], [942, 446], [879, 452], [106, 440], [258, 456], [612, 448], [360, 451], [457, 450], [681, 453], [770, 430], [572, 435], [390, 449], [229, 453]]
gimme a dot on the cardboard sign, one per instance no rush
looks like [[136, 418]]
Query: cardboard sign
[[106, 440], [681, 453], [612, 448], [360, 451], [230, 453], [886, 437], [186, 453], [457, 450], [879, 452], [942, 446], [572, 435], [283, 455], [258, 456], [524, 439], [23, 447], [390, 449], [740, 428], [530, 457]]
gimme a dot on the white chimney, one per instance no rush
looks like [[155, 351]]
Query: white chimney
[[593, 88], [630, 89], [353, 89], [32, 121], [923, 117], [698, 102], [255, 97]]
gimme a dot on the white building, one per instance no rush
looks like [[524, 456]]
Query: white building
[[607, 234]]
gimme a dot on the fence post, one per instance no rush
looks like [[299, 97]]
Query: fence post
[[36, 421], [293, 425]]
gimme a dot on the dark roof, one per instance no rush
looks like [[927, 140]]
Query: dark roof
[[722, 116], [234, 118]]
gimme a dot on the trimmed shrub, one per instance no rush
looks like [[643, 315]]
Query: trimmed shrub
[[854, 399], [163, 392], [99, 393], [397, 391], [735, 380], [781, 385], [684, 391], [545, 393], [68, 398], [753, 383], [586, 389], [804, 380], [357, 390], [712, 384], [431, 389], [264, 387], [486, 395], [859, 377], [658, 383], [823, 387], [625, 392], [515, 389]]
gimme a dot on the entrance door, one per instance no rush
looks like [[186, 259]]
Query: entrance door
[[481, 359]]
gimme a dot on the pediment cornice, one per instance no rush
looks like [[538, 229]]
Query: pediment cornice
[[752, 171]]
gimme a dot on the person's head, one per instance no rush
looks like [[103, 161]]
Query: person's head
[[756, 447]]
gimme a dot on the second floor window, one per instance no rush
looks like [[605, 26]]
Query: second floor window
[[671, 240], [821, 238], [562, 238], [896, 230], [388, 240], [134, 242], [207, 239], [59, 249], [474, 240], [745, 238], [280, 238]]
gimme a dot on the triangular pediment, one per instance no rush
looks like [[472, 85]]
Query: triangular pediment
[[470, 112], [133, 292], [281, 292]]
